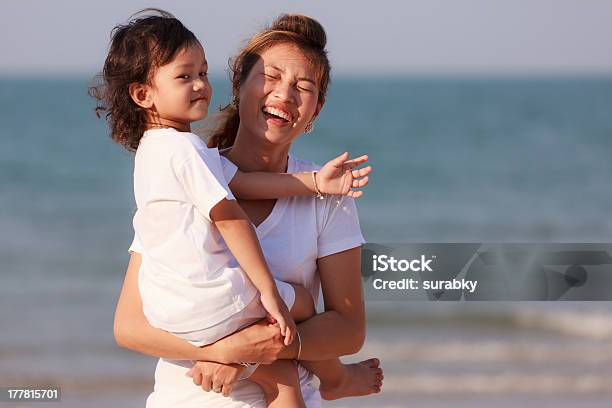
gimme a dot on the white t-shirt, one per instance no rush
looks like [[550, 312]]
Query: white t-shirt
[[298, 231], [177, 181]]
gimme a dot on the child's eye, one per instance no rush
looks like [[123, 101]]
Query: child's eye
[[185, 76], [270, 76], [301, 88], [203, 74]]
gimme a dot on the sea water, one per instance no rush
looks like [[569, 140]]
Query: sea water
[[469, 160]]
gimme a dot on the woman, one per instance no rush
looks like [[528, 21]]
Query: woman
[[279, 84]]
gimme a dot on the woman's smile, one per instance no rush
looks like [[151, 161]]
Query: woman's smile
[[277, 115]]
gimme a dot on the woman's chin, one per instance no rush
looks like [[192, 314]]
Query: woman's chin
[[279, 135], [278, 139]]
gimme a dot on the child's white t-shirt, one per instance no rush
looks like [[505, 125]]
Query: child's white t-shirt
[[188, 278]]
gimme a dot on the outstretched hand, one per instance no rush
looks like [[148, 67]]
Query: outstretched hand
[[340, 176]]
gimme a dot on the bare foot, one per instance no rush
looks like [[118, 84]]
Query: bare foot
[[359, 379]]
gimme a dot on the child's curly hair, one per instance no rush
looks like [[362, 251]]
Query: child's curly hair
[[137, 48]]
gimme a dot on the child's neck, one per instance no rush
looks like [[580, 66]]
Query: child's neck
[[158, 122]]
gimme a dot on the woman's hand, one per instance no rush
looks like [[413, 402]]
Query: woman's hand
[[339, 176], [261, 342], [215, 377]]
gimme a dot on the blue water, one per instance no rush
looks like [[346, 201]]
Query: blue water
[[454, 160]]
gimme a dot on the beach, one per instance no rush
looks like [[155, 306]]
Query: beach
[[479, 160], [432, 363]]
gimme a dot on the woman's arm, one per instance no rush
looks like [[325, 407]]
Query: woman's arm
[[260, 342], [340, 330], [342, 322], [133, 331]]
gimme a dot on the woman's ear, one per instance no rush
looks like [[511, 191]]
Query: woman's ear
[[141, 95], [318, 109]]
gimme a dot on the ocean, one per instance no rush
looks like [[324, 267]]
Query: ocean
[[455, 160]]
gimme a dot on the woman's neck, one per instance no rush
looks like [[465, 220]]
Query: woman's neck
[[252, 154]]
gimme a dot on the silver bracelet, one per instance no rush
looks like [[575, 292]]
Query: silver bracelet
[[314, 181]]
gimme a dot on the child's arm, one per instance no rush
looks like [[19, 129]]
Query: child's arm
[[241, 239], [337, 176]]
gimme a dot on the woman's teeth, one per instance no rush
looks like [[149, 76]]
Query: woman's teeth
[[277, 112]]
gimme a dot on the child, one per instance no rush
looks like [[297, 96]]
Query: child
[[154, 86]]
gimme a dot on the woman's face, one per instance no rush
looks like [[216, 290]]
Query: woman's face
[[280, 95]]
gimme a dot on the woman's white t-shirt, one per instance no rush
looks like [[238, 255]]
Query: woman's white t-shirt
[[298, 231]]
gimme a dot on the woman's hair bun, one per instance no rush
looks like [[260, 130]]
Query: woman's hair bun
[[309, 29]]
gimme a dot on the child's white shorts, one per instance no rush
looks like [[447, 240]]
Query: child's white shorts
[[251, 313]]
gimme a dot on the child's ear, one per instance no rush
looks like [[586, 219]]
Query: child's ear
[[141, 94]]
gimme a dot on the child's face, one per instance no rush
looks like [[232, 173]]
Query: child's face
[[181, 92]]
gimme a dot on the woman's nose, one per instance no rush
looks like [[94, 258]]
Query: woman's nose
[[284, 91]]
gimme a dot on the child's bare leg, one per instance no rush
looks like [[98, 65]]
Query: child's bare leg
[[340, 380], [337, 380], [280, 384]]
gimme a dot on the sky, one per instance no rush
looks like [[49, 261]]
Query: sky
[[411, 37]]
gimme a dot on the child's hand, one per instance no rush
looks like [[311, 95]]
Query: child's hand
[[278, 311], [338, 177]]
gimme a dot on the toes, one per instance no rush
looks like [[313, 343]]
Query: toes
[[372, 362]]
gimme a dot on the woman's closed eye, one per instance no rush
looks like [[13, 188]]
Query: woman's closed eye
[[305, 88]]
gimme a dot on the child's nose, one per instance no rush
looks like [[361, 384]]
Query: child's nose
[[199, 84]]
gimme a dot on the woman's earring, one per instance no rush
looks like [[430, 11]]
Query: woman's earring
[[309, 127], [235, 103]]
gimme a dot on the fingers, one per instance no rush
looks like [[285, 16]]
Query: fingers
[[207, 383], [227, 389], [196, 376], [356, 161], [358, 183], [218, 388], [289, 335], [361, 172], [340, 160], [360, 180], [283, 326]]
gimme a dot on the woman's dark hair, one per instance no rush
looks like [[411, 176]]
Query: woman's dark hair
[[150, 39], [302, 31]]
